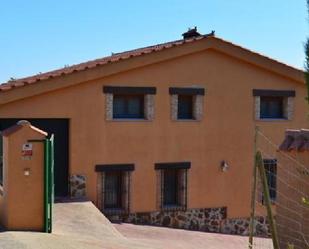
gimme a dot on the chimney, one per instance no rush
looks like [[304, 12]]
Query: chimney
[[191, 33]]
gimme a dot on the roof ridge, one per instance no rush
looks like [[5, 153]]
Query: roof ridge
[[147, 47], [12, 84]]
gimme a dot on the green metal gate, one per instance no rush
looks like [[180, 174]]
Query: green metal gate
[[48, 182]]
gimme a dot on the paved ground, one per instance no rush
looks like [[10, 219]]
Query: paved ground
[[79, 225], [183, 239]]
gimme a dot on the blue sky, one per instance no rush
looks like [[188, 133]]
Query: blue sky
[[38, 36]]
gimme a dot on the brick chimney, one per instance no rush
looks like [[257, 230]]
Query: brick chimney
[[191, 33]]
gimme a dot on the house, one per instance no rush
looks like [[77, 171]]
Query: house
[[163, 134]]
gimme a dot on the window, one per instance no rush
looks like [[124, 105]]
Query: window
[[129, 102], [185, 107], [128, 106], [174, 188], [270, 166], [172, 191], [273, 104], [272, 107], [187, 103], [171, 187], [115, 186], [113, 190]]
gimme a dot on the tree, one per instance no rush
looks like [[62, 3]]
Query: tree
[[306, 202]]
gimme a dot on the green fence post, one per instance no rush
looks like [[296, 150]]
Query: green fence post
[[46, 183], [51, 181], [253, 192], [270, 216]]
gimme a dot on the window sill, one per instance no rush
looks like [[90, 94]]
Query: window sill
[[173, 208], [187, 120], [273, 119], [114, 211], [129, 120]]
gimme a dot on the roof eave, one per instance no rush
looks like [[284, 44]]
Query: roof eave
[[24, 90]]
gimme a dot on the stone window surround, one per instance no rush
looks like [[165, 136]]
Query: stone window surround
[[183, 167], [288, 101], [197, 93], [148, 93], [1, 190], [126, 169]]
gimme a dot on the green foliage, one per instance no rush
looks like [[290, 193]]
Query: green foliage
[[307, 69], [305, 201], [290, 246]]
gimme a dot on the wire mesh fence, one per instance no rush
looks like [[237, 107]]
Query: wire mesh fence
[[287, 178]]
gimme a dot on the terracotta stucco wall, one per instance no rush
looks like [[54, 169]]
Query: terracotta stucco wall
[[3, 195], [225, 133], [3, 221]]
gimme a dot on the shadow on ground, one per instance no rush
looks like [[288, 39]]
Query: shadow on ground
[[80, 225]]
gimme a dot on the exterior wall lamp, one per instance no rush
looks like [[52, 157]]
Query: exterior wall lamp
[[224, 166]]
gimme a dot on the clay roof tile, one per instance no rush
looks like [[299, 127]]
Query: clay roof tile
[[288, 140], [109, 59], [297, 140]]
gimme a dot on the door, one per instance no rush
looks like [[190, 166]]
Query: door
[[60, 128]]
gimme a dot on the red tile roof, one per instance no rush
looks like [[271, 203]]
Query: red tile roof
[[94, 63], [12, 84]]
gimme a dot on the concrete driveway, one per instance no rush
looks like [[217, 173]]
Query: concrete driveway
[[182, 239], [80, 225], [76, 225]]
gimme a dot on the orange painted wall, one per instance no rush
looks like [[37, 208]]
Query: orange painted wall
[[23, 202], [3, 194], [225, 133]]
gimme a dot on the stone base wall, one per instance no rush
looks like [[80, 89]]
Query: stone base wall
[[77, 186], [240, 226], [204, 219]]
